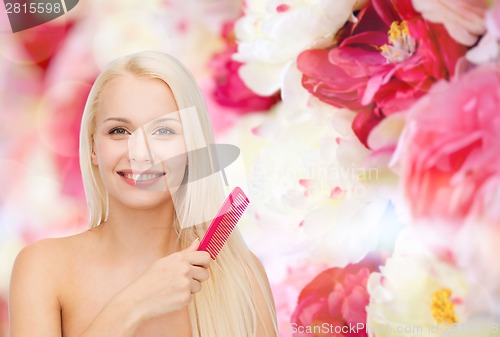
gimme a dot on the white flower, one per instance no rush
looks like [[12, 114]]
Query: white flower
[[273, 33], [463, 19], [488, 48], [418, 294], [311, 192], [344, 231], [412, 295], [187, 29], [476, 249]]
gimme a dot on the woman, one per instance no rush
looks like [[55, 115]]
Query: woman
[[137, 271]]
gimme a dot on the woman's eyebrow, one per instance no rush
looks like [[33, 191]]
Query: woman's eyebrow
[[164, 119], [156, 121], [116, 119]]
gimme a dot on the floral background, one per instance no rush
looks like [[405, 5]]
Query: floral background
[[370, 138]]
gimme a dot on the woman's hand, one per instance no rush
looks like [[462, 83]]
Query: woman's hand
[[168, 284]]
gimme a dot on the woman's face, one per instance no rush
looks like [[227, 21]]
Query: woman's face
[[139, 144]]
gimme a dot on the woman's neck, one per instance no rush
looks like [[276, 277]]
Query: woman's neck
[[139, 235]]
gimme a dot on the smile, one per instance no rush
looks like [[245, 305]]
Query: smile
[[141, 179]]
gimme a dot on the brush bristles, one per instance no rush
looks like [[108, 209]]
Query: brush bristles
[[226, 225]]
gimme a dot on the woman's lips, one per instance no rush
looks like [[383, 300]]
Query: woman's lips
[[144, 179]]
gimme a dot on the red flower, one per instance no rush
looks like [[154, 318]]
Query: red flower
[[375, 73], [230, 91], [334, 303], [450, 163]]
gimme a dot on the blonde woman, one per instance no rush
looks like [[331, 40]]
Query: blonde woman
[[137, 271]]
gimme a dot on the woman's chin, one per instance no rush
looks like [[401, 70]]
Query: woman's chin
[[149, 200]]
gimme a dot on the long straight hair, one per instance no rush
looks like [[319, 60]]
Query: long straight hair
[[226, 306]]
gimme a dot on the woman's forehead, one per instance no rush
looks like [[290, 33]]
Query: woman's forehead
[[136, 99]]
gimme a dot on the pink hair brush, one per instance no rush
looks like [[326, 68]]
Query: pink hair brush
[[224, 223]]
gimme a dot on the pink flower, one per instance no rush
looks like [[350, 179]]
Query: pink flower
[[449, 150], [334, 303], [287, 291], [230, 91], [378, 74]]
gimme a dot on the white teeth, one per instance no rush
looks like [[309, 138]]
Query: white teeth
[[142, 177]]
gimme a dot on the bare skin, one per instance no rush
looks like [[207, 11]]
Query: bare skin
[[75, 287], [128, 277], [75, 280]]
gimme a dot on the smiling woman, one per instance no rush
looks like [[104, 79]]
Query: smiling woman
[[134, 147], [137, 271]]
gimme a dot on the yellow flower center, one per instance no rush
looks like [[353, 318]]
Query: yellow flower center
[[401, 45], [443, 309]]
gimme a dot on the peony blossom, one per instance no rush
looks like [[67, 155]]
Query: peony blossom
[[448, 154], [463, 19], [414, 295], [311, 187], [230, 91], [334, 302], [488, 48], [476, 251], [287, 292], [382, 64], [272, 33], [422, 290]]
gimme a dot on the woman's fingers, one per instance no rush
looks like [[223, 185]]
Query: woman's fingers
[[200, 274], [200, 258], [195, 257], [195, 286]]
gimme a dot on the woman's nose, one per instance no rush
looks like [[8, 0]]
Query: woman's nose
[[139, 148]]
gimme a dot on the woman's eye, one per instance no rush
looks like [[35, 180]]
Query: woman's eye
[[163, 132], [118, 131]]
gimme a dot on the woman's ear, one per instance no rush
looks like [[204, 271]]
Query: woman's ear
[[93, 156]]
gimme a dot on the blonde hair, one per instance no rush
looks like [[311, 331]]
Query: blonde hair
[[226, 306]]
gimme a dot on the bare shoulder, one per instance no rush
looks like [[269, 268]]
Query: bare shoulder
[[35, 286], [45, 260], [43, 250], [49, 254], [41, 257], [48, 259]]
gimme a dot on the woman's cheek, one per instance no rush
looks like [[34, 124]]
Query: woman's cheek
[[112, 148]]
